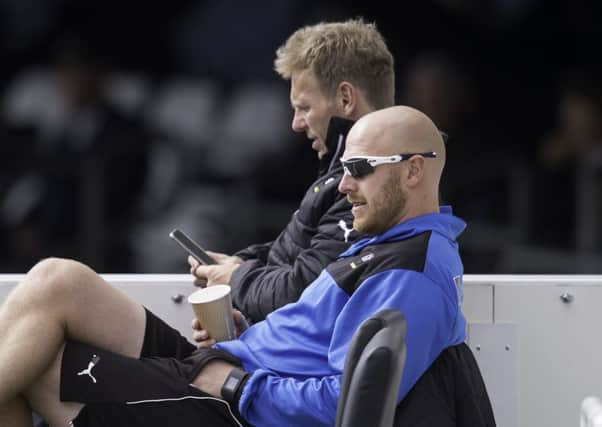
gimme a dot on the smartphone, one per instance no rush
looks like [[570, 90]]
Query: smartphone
[[191, 247]]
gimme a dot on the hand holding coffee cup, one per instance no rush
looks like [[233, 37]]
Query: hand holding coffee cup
[[201, 337], [212, 307]]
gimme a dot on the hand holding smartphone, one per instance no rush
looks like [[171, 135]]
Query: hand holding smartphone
[[192, 247]]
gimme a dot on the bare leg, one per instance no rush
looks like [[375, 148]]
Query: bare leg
[[43, 395], [60, 300], [15, 413]]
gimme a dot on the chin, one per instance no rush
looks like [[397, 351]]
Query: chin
[[359, 226], [368, 228]]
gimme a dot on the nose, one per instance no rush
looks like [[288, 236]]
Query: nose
[[347, 184], [298, 124]]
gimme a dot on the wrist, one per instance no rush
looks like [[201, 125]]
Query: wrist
[[212, 376], [233, 384]]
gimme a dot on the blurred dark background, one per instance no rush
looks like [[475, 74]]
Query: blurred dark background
[[122, 120]]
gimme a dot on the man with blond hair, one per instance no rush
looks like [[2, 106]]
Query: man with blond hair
[[81, 353], [338, 71]]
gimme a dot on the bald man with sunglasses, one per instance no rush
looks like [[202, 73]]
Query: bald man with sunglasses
[[283, 371]]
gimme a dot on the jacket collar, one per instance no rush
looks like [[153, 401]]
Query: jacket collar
[[444, 223], [338, 128]]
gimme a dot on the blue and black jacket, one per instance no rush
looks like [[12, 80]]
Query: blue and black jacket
[[296, 356]]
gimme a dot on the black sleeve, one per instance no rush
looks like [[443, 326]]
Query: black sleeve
[[258, 252], [259, 289]]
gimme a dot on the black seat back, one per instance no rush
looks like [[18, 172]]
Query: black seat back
[[372, 372]]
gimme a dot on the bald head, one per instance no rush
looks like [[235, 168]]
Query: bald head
[[402, 130], [396, 130]]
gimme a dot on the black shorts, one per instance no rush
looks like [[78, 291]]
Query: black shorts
[[154, 390]]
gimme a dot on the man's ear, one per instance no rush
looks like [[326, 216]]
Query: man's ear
[[347, 99], [415, 171]]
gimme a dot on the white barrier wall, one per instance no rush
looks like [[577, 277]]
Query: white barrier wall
[[536, 338]]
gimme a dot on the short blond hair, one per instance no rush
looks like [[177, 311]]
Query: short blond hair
[[352, 51]]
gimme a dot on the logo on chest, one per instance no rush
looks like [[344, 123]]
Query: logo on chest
[[347, 231]]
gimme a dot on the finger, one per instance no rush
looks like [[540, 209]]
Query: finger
[[201, 283], [221, 259], [205, 344], [201, 335], [225, 259], [196, 325], [193, 264], [237, 315], [240, 321], [203, 271], [217, 255]]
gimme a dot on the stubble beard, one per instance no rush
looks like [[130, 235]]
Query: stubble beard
[[383, 211]]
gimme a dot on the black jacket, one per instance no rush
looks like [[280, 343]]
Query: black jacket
[[276, 273], [451, 393]]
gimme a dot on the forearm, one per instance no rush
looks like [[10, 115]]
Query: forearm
[[212, 377], [270, 400]]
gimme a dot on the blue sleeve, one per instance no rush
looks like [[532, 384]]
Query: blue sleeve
[[270, 400]]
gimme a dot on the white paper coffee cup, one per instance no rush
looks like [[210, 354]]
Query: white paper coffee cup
[[213, 307]]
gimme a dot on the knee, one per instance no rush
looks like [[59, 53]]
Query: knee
[[50, 269], [54, 276]]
